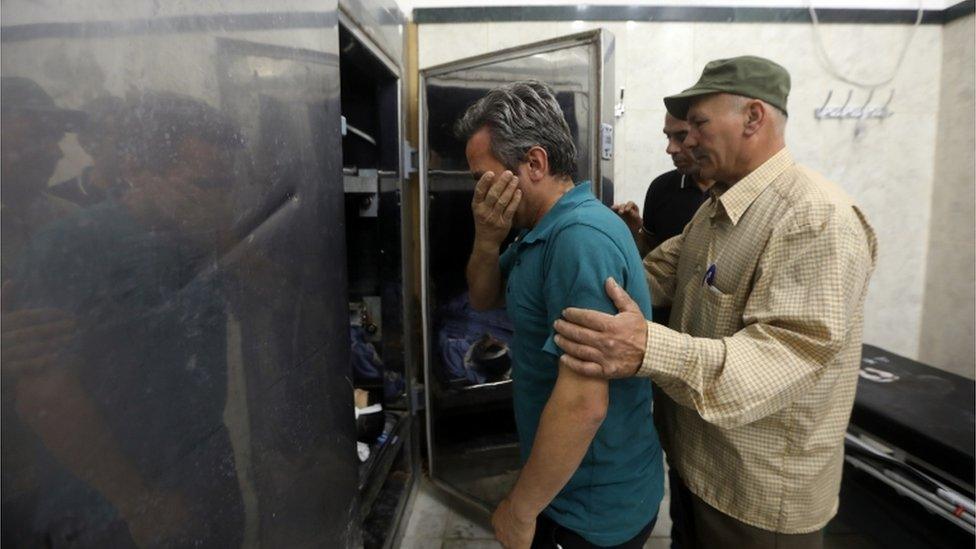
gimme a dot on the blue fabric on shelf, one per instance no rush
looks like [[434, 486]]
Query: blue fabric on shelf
[[460, 327]]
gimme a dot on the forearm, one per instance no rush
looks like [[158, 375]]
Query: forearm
[[721, 378], [644, 241], [484, 276], [56, 407], [569, 422]]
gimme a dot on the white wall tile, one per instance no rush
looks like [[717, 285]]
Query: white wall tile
[[657, 63], [721, 40], [441, 43], [888, 169], [949, 310], [510, 34]]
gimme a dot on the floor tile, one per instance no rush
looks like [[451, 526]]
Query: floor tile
[[429, 516], [459, 526], [420, 543], [470, 544], [663, 526], [658, 543]]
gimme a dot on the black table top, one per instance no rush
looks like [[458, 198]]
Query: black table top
[[926, 412]]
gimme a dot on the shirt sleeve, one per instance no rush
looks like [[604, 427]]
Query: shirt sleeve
[[578, 262], [808, 294]]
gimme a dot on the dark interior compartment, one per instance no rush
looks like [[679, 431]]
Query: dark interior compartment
[[370, 154]]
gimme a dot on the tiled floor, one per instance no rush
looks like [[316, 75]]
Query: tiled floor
[[437, 523]]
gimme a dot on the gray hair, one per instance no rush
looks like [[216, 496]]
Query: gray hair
[[520, 116]]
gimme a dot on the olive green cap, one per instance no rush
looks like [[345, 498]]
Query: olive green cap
[[749, 76]]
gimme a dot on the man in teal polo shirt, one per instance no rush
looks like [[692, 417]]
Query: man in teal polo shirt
[[592, 474]]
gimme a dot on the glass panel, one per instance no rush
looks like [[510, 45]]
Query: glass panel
[[568, 71]]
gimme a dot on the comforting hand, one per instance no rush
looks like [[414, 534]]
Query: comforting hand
[[600, 345], [630, 213], [495, 200], [33, 340], [511, 530]]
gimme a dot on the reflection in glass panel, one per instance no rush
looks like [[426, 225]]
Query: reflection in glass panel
[[170, 185]]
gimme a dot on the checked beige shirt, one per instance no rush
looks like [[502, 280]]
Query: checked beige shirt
[[761, 362]]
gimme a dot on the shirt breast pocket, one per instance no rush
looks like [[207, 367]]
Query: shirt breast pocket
[[718, 313], [524, 297]]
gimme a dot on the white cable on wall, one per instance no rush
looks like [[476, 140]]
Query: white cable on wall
[[836, 73]]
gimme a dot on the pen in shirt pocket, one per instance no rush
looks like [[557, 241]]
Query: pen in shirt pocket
[[709, 279]]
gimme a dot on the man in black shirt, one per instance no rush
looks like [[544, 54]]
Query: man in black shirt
[[671, 200]]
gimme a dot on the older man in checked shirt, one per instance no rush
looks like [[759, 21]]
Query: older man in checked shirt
[[760, 362]]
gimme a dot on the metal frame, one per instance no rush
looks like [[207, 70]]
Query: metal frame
[[954, 507], [605, 98], [515, 52], [601, 174], [674, 13], [350, 22], [602, 64], [380, 20], [424, 293], [424, 269], [412, 444]]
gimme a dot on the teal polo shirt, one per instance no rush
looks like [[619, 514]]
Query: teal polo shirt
[[563, 262]]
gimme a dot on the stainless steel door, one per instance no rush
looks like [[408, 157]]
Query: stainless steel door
[[471, 442], [175, 195]]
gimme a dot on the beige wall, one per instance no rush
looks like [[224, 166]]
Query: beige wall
[[888, 166], [949, 311]]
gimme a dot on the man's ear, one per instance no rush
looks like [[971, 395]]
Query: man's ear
[[537, 163], [756, 115]]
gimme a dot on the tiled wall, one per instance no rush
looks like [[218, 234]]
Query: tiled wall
[[887, 165], [949, 314]]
